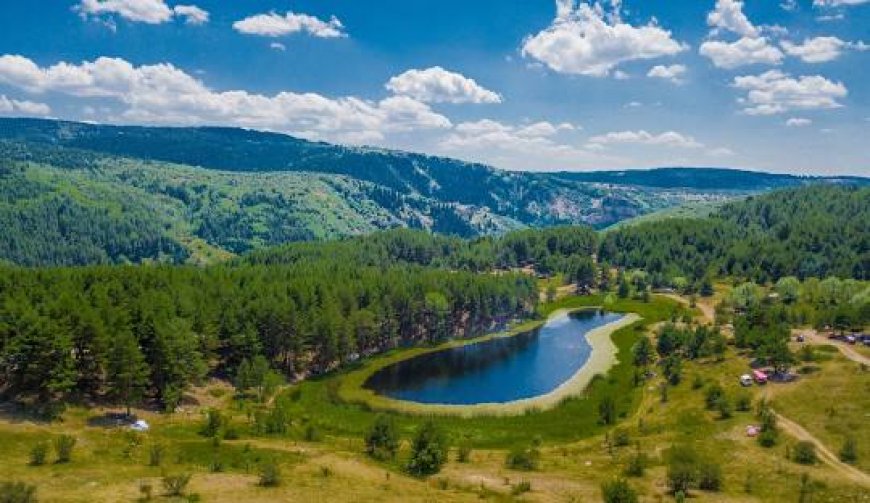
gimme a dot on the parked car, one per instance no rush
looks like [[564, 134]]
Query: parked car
[[799, 338], [851, 339], [759, 376], [746, 380]]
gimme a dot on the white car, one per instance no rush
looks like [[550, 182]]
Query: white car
[[140, 425], [746, 380]]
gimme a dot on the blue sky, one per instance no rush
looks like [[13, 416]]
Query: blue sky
[[779, 85]]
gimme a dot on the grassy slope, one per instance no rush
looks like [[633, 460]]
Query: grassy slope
[[108, 467]]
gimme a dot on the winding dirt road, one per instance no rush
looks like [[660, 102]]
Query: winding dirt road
[[813, 337]]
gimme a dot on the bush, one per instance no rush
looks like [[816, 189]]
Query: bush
[[428, 451], [38, 454], [697, 382], [63, 447], [175, 484], [618, 491], [621, 437], [713, 395], [636, 465], [710, 476], [155, 455], [805, 453], [382, 439], [767, 438], [743, 403], [214, 421], [463, 452], [312, 434], [849, 452], [523, 458], [607, 410], [17, 492], [521, 488], [682, 468], [724, 407], [270, 474]]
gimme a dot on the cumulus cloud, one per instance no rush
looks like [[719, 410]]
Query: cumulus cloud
[[775, 92], [22, 107], [191, 13], [142, 11], [437, 85], [746, 51], [582, 40], [728, 15], [820, 49], [642, 137], [838, 3], [798, 122], [164, 94], [273, 24], [528, 146], [673, 73]]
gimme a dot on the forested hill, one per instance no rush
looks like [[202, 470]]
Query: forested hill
[[707, 178], [815, 231]]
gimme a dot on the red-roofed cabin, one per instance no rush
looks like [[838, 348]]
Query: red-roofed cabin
[[759, 376]]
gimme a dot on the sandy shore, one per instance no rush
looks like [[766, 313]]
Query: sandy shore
[[601, 358]]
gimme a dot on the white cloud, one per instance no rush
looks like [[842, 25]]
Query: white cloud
[[820, 49], [278, 46], [728, 15], [837, 3], [437, 85], [164, 94], [530, 146], [191, 13], [798, 122], [721, 152], [746, 51], [789, 5], [673, 73], [641, 137], [775, 92], [22, 107], [276, 25], [141, 11], [831, 17], [582, 41]]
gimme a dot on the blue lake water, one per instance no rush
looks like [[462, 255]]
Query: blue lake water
[[498, 370]]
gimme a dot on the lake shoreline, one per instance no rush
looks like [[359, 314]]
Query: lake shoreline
[[602, 357]]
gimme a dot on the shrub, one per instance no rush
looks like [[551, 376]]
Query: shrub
[[698, 382], [523, 458], [155, 455], [743, 403], [63, 447], [636, 465], [713, 395], [522, 487], [175, 484], [382, 439], [621, 437], [805, 453], [767, 438], [724, 407], [38, 454], [214, 421], [463, 452], [146, 490], [607, 410], [682, 468], [710, 476], [428, 451], [312, 434], [849, 452], [17, 492], [270, 474], [618, 491]]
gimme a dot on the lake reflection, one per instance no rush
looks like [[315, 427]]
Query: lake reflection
[[495, 371]]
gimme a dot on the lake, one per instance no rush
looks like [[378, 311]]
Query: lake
[[498, 370]]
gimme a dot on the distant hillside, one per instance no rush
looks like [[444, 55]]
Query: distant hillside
[[705, 178], [73, 193]]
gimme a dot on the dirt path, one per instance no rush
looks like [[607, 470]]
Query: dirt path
[[813, 337], [825, 455], [707, 309]]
